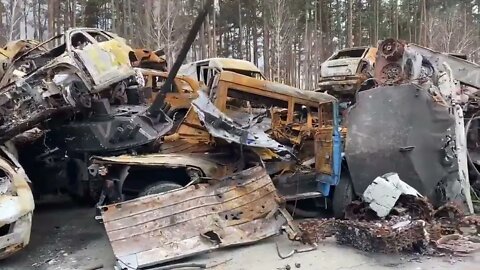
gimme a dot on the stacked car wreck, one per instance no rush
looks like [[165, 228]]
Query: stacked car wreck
[[184, 164], [62, 100], [239, 122]]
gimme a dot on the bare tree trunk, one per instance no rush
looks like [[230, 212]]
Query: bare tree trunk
[[130, 21], [73, 13], [39, 22], [358, 40], [114, 14], [350, 24], [35, 20], [51, 14], [255, 43], [170, 55], [322, 26], [298, 77], [293, 66], [375, 31], [316, 47], [247, 55], [209, 36], [214, 33], [240, 29], [66, 15], [25, 16], [305, 50], [84, 5], [266, 41], [395, 15], [124, 18], [57, 17], [203, 51]]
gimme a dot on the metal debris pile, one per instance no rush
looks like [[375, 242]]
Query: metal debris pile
[[200, 156], [412, 226], [315, 230]]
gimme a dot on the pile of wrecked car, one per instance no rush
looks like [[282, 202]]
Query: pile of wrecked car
[[211, 154]]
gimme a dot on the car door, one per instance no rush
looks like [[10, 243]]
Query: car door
[[105, 59]]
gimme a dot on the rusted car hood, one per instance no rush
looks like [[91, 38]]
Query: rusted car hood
[[340, 67], [240, 209]]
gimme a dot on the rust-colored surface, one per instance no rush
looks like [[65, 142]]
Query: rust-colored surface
[[412, 224], [458, 244], [392, 236], [213, 167], [147, 58], [389, 66], [184, 89], [266, 89], [324, 150], [315, 230], [240, 209]]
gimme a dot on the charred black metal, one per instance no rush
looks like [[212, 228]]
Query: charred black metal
[[378, 143]]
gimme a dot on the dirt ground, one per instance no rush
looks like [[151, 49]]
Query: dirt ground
[[66, 236]]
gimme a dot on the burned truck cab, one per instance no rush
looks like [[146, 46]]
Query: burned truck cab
[[236, 123]]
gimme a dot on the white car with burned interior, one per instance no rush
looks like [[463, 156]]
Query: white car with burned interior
[[344, 72]]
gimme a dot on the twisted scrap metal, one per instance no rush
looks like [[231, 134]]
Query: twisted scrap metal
[[413, 225]]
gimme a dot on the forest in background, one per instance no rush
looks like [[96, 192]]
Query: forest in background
[[288, 39]]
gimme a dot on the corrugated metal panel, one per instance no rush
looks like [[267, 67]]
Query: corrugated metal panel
[[239, 209]]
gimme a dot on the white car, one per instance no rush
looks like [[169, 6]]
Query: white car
[[344, 72]]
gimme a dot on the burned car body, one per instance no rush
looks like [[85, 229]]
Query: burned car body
[[180, 95], [40, 84], [14, 49], [204, 70], [16, 205], [84, 98], [150, 59], [241, 119], [343, 73]]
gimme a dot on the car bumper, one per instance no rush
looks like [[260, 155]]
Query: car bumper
[[18, 236], [340, 81]]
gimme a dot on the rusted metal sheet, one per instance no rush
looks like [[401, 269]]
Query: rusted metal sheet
[[150, 59], [324, 150], [240, 209], [211, 165]]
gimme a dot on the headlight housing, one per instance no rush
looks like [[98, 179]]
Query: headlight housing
[[6, 185]]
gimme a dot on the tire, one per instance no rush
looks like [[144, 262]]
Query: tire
[[342, 196], [158, 187]]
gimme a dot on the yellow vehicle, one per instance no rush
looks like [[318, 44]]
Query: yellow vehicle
[[205, 70], [150, 59], [179, 97], [239, 121]]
